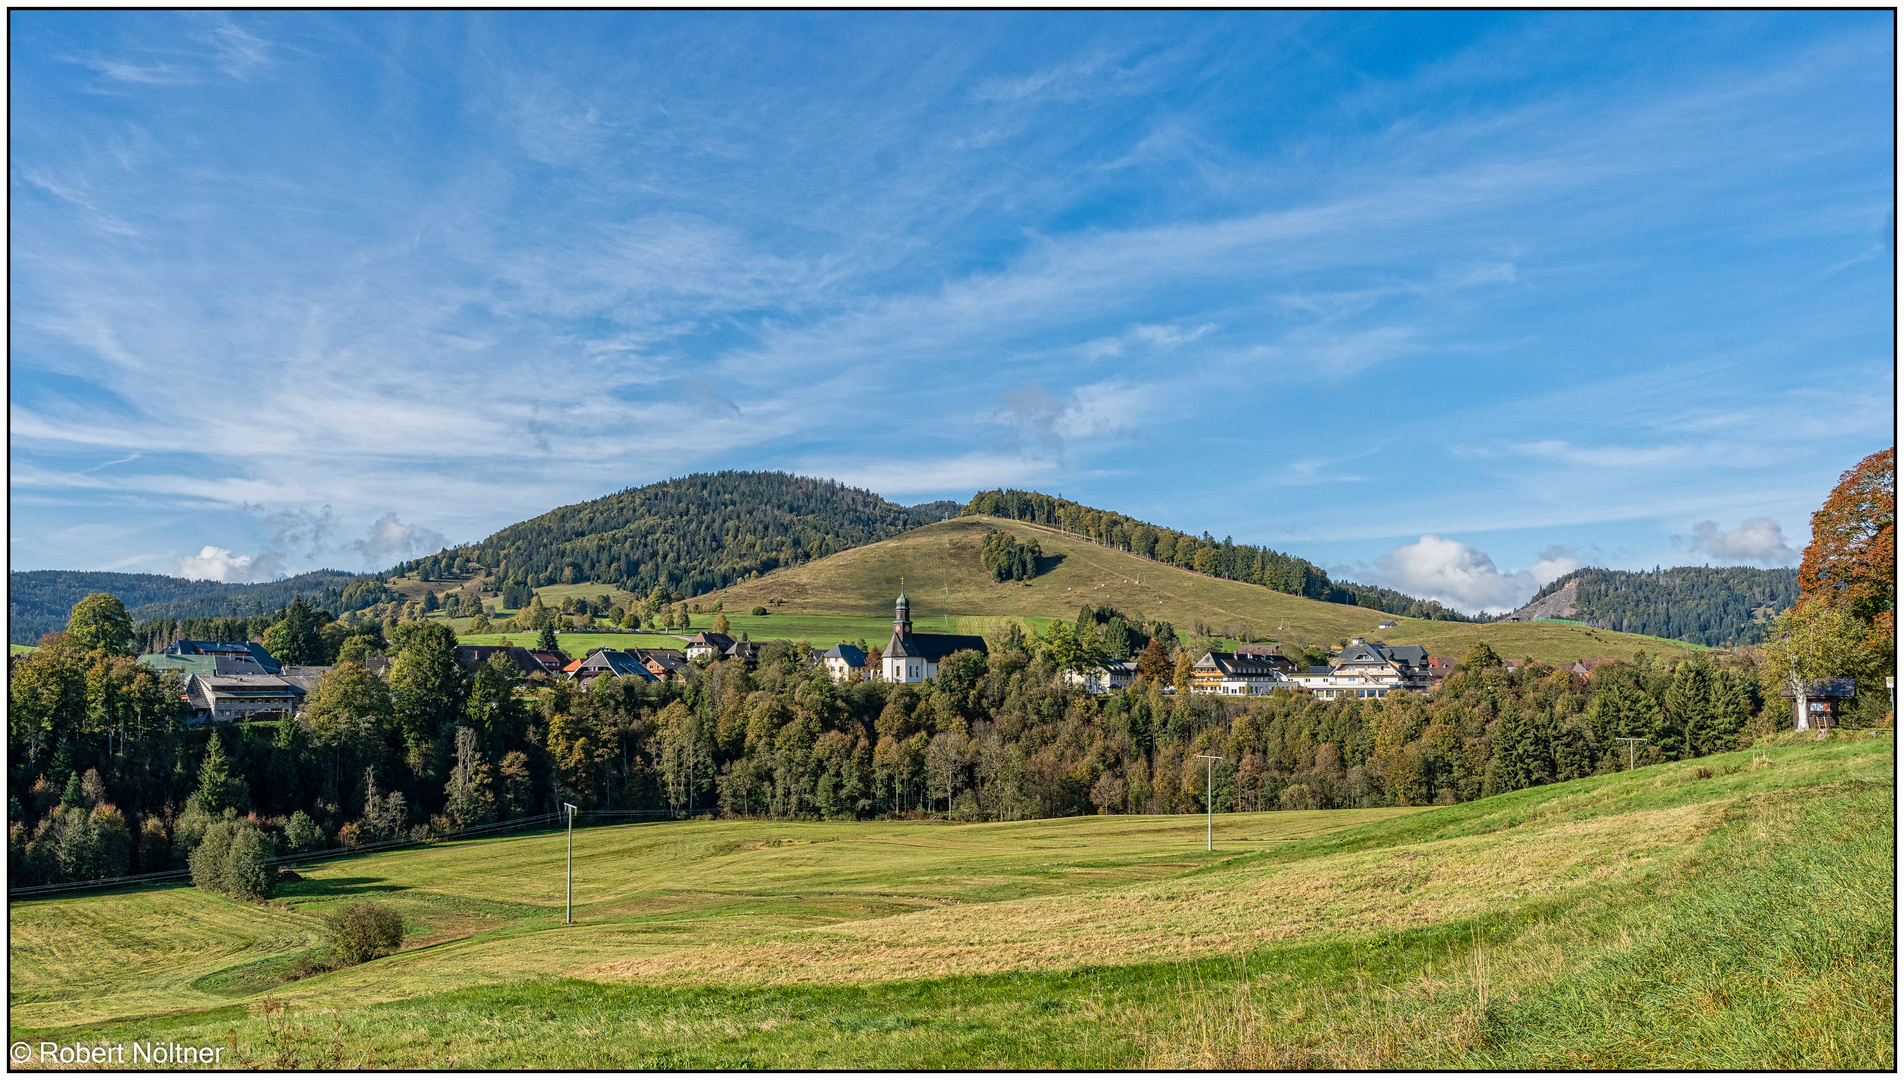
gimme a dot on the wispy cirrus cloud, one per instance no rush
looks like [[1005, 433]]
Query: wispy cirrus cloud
[[565, 262]]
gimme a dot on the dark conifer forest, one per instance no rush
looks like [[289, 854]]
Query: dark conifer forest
[[1707, 605]]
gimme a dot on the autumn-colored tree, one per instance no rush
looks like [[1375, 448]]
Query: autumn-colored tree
[[1181, 677], [1851, 561], [1153, 664]]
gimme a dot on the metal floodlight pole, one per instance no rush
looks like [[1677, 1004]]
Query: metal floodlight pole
[[1209, 798], [568, 892], [1632, 744]]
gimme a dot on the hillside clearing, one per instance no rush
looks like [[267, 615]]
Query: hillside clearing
[[942, 577]]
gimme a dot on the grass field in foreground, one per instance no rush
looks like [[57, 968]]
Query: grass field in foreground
[[1734, 912]]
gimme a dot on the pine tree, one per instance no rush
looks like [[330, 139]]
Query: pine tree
[[218, 789], [546, 640]]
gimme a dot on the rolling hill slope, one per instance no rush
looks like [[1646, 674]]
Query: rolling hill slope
[[942, 575]]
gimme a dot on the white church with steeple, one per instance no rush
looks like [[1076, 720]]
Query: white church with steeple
[[914, 658]]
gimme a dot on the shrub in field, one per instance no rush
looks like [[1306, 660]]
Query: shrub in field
[[301, 833], [363, 931], [232, 859], [760, 611], [248, 873]]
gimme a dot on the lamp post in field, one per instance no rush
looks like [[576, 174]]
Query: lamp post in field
[[1631, 745], [568, 892], [1209, 798]]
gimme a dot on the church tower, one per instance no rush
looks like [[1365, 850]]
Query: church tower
[[902, 616]]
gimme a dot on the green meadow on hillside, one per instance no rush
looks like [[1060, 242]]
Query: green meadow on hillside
[[942, 577], [1734, 911]]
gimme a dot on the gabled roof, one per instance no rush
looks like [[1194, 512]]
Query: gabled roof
[[1231, 665], [522, 659], [612, 661], [932, 647], [710, 639], [852, 654], [667, 659]]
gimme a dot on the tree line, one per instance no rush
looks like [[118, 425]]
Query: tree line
[[1205, 554], [108, 778]]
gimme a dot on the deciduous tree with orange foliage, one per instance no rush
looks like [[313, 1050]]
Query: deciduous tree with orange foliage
[[1852, 559]]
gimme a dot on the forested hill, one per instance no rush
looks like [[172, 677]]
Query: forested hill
[[38, 601], [1205, 554], [696, 533], [1708, 605]]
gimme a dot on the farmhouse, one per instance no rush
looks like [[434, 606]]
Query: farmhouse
[[707, 645], [1113, 675], [611, 662], [1235, 675], [842, 661], [914, 658], [663, 663], [1370, 670], [524, 661]]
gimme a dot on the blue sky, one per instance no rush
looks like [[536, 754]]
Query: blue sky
[[1447, 301]]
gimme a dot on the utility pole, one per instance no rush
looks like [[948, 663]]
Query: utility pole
[[1209, 798], [568, 893], [1631, 745]]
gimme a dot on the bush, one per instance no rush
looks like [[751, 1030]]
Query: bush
[[302, 834], [207, 859], [233, 859], [363, 931], [248, 873], [760, 611]]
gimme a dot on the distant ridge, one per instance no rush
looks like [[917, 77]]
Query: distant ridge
[[38, 601], [1707, 605]]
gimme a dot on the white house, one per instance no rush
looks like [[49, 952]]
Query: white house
[[1236, 675], [1114, 675], [841, 661], [1370, 671]]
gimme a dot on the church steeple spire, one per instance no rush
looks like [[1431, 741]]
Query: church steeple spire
[[902, 614]]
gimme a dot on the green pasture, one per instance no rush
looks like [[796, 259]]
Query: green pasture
[[1735, 912], [16, 650], [579, 645]]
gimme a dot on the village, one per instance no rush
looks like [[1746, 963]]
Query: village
[[227, 680]]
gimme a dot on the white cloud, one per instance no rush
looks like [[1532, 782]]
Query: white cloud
[[391, 538], [1758, 540], [219, 564], [970, 472], [1465, 578]]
